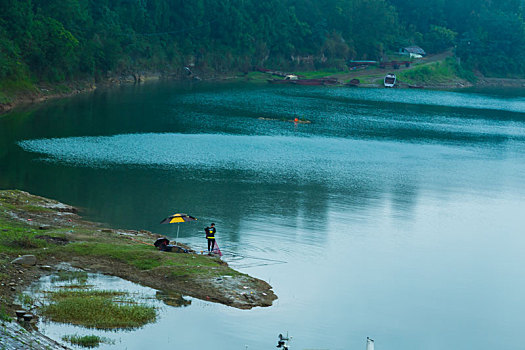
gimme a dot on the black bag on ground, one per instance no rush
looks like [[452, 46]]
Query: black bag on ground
[[162, 244]]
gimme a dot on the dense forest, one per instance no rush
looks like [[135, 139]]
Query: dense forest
[[59, 40]]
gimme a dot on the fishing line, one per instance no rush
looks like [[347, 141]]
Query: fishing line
[[254, 265], [243, 256]]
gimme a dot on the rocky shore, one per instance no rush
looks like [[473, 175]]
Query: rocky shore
[[20, 336]]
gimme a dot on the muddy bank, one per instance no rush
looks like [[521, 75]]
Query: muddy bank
[[47, 234]]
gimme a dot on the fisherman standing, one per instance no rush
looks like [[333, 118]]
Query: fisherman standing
[[210, 235]]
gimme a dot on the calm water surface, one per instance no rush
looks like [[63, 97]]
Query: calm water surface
[[399, 214]]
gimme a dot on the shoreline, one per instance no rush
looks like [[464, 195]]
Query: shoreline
[[52, 233], [48, 92], [123, 253]]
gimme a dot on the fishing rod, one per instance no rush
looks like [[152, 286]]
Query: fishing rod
[[253, 257]]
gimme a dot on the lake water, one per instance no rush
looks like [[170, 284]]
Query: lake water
[[398, 214]]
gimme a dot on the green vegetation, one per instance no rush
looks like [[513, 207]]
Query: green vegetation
[[57, 41], [18, 239], [86, 341], [256, 77], [35, 209], [88, 245], [141, 256], [25, 300], [65, 294], [80, 277], [4, 317], [97, 309], [489, 36], [436, 72]]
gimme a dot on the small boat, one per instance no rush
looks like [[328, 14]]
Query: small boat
[[416, 86], [390, 80], [353, 83]]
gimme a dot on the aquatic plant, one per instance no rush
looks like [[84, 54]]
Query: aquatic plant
[[26, 300], [80, 277], [4, 317], [86, 341], [97, 309]]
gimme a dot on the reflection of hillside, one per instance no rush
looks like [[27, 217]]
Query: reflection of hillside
[[365, 148], [238, 201]]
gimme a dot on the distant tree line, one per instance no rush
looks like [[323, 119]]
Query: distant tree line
[[58, 40]]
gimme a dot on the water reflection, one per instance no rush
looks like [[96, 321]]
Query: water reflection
[[172, 299], [70, 279]]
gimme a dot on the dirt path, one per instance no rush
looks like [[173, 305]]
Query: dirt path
[[377, 74]]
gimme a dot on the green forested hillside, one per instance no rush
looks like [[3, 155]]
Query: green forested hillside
[[58, 40], [489, 35]]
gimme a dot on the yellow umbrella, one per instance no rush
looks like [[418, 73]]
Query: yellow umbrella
[[177, 219]]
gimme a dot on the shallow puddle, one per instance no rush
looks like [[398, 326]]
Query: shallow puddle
[[77, 280]]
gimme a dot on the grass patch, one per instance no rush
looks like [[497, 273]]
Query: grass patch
[[25, 300], [86, 341], [36, 209], [4, 316], [80, 277], [257, 77], [77, 286], [140, 256], [97, 309], [436, 72], [92, 246], [65, 294], [18, 239]]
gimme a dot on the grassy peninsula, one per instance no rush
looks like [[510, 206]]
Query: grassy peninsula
[[54, 233]]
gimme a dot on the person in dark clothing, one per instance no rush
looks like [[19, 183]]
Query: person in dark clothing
[[210, 235]]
